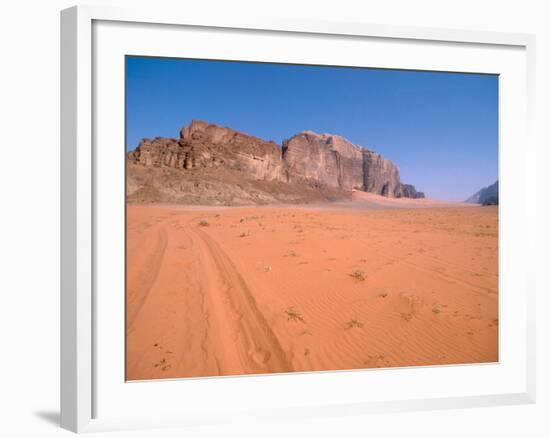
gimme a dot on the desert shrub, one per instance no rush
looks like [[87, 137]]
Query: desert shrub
[[293, 315], [358, 275], [352, 323]]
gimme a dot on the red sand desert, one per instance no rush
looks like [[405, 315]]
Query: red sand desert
[[250, 290]]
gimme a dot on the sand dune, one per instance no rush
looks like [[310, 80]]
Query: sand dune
[[366, 200], [227, 291]]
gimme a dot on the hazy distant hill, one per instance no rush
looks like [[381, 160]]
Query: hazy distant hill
[[485, 196]]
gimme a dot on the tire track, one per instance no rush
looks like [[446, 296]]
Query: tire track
[[257, 348], [150, 272]]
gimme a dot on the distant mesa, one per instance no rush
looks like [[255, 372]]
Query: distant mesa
[[485, 196], [215, 165]]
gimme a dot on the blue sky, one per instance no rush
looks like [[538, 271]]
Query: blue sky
[[441, 129]]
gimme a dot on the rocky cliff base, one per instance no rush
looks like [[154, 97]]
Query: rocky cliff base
[[221, 186]]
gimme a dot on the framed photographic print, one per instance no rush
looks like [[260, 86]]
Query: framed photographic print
[[275, 219]]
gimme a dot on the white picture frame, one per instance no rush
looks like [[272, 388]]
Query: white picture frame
[[83, 43]]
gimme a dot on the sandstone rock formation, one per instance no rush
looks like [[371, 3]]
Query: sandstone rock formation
[[336, 162], [409, 191], [213, 164], [202, 145], [329, 159]]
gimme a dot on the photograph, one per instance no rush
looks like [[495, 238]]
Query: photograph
[[288, 218]]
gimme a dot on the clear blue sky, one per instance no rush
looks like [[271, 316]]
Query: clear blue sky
[[441, 129]]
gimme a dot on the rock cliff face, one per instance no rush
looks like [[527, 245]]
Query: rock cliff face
[[202, 145], [326, 163], [329, 159], [336, 162]]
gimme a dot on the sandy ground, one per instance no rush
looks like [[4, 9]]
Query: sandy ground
[[265, 289]]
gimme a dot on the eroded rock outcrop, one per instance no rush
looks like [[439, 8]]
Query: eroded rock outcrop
[[409, 191], [329, 159], [336, 162], [202, 145], [224, 158]]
